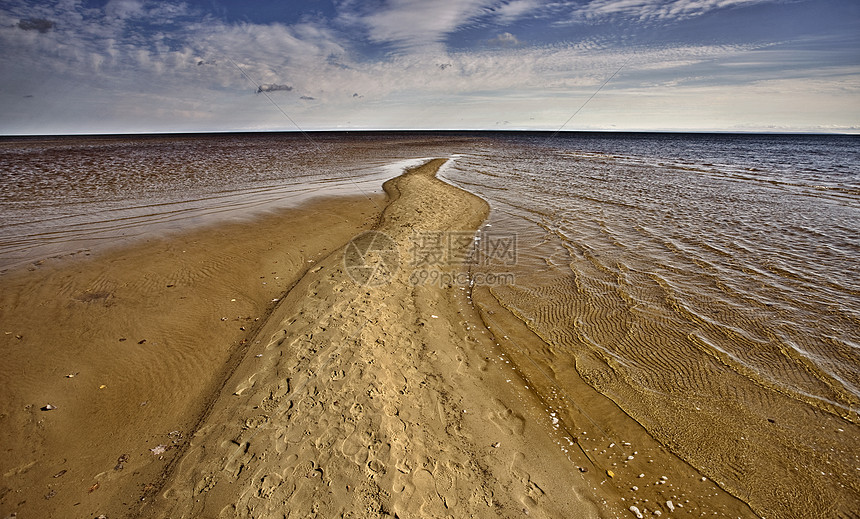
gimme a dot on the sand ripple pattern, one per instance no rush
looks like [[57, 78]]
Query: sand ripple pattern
[[716, 306]]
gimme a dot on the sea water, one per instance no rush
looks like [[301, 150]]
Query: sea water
[[708, 284], [68, 193]]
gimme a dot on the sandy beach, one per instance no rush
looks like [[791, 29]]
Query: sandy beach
[[129, 346], [267, 369], [411, 259]]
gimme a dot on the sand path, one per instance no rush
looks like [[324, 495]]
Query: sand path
[[374, 401]]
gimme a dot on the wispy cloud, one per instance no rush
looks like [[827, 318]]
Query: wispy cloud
[[657, 9], [414, 24], [172, 63], [510, 11], [411, 25]]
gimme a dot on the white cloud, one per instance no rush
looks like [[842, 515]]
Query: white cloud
[[124, 9], [505, 39], [413, 24], [410, 25], [657, 9], [515, 9]]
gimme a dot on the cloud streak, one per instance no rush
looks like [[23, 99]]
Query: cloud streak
[[414, 24], [656, 9]]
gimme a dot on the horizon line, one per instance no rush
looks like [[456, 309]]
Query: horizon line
[[851, 132]]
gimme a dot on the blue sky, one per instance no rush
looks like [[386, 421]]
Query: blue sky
[[121, 66]]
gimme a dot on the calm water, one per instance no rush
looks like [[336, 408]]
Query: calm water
[[764, 222], [68, 193], [708, 284]]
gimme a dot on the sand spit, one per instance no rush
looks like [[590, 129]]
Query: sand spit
[[373, 401]]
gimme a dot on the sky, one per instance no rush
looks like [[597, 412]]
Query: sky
[[140, 66]]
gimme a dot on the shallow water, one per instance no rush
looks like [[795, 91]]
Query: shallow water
[[63, 194], [708, 284]]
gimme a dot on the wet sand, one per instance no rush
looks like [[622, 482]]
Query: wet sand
[[344, 398], [130, 344]]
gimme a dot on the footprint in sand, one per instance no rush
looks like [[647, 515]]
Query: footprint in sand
[[205, 484], [375, 468], [238, 459], [355, 445], [446, 484], [507, 420], [350, 446], [268, 484], [244, 386], [277, 340], [279, 389], [531, 493], [463, 365], [424, 487]]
